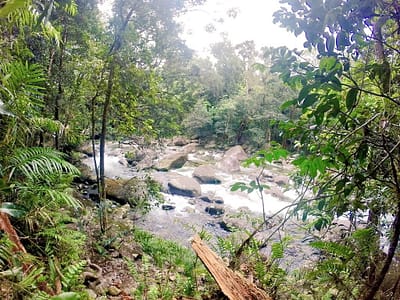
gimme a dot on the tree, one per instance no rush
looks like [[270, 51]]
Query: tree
[[348, 133]]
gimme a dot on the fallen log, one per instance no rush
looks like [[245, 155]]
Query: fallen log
[[233, 285]]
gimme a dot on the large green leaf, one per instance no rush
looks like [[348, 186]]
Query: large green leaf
[[39, 163], [11, 6], [351, 98]]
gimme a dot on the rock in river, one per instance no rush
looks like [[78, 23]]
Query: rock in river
[[184, 186], [172, 161], [206, 174], [231, 160]]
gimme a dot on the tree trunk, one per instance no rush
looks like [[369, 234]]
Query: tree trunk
[[234, 286], [6, 226]]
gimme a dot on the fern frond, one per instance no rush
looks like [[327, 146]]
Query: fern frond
[[37, 163], [334, 249], [5, 251], [12, 6], [23, 77], [72, 273], [46, 124], [61, 197]]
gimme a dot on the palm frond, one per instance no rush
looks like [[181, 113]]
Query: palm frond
[[20, 76], [11, 7], [61, 197], [38, 163], [12, 209], [46, 124]]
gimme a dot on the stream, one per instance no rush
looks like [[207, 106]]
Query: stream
[[181, 217]]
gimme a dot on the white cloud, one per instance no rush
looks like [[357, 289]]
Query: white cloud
[[253, 22]]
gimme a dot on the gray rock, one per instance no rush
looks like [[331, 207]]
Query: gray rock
[[184, 186], [113, 291], [168, 206], [86, 149], [207, 198], [172, 161], [206, 174], [231, 160], [190, 148], [130, 191], [229, 165], [236, 152], [91, 294], [281, 180], [180, 141], [214, 210], [219, 200]]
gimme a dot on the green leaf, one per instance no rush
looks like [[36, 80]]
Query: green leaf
[[12, 209], [309, 100], [11, 6], [351, 98], [238, 186], [287, 104], [328, 63], [277, 251]]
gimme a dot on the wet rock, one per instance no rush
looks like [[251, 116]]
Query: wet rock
[[148, 160], [219, 200], [172, 161], [184, 186], [129, 191], [113, 291], [206, 174], [231, 160], [211, 198], [86, 149], [236, 152], [214, 210], [91, 294], [268, 175], [226, 227], [190, 148], [163, 178], [281, 180], [87, 174], [207, 198], [229, 165], [180, 141], [169, 206]]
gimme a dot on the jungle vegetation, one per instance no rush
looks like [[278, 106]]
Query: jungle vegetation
[[68, 75]]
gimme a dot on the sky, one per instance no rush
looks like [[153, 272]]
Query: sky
[[254, 21]]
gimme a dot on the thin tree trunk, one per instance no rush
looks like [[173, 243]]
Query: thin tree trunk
[[394, 241], [6, 226]]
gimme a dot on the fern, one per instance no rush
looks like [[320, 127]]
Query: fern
[[5, 251], [37, 163], [71, 274], [334, 249]]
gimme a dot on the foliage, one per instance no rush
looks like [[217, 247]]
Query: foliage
[[347, 133], [172, 261]]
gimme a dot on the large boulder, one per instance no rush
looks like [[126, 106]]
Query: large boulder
[[163, 178], [206, 174], [180, 141], [184, 186], [230, 162], [132, 191], [147, 162], [172, 161], [229, 165], [190, 148], [236, 152]]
